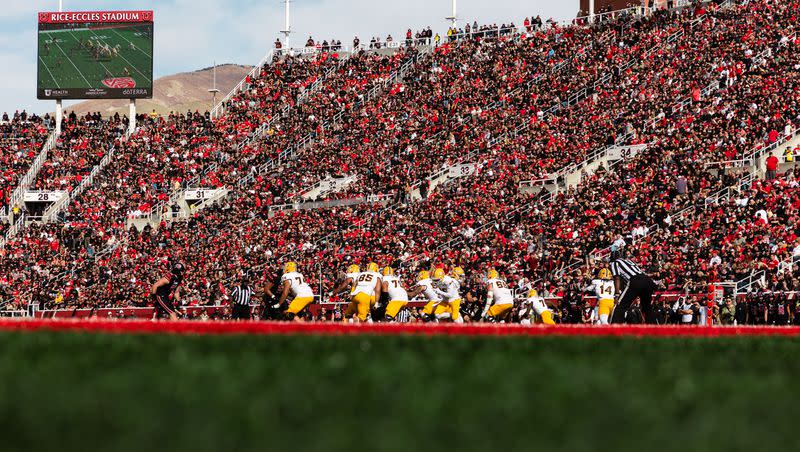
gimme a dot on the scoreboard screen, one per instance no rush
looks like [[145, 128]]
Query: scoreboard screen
[[95, 55]]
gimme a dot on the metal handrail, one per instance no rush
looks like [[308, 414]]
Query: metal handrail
[[220, 107], [289, 153], [33, 171], [264, 127]]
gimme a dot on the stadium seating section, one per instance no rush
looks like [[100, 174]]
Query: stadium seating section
[[708, 83]]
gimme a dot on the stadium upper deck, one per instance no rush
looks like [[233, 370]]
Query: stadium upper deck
[[697, 85]]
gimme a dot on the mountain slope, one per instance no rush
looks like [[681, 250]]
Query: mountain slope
[[178, 92]]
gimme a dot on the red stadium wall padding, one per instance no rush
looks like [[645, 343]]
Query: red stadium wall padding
[[330, 328]]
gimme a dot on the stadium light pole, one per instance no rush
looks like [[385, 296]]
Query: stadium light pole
[[214, 89], [287, 27], [59, 105], [453, 17]]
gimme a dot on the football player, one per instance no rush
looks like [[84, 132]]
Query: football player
[[348, 282], [397, 295], [499, 300], [167, 292], [367, 289], [603, 287], [292, 282], [535, 303], [447, 287], [425, 286]]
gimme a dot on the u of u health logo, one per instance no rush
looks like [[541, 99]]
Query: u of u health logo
[[120, 82]]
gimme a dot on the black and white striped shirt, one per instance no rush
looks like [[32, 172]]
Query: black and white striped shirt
[[241, 295], [625, 269], [403, 316]]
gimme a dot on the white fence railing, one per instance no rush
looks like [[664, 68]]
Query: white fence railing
[[291, 152], [33, 171], [219, 109], [264, 127], [15, 227]]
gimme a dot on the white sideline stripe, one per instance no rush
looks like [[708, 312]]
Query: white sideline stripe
[[89, 85], [131, 42], [131, 64], [51, 74]]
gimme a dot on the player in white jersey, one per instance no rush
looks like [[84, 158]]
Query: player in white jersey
[[348, 282], [293, 283], [535, 304], [499, 299], [603, 287], [398, 297], [448, 288], [367, 289], [424, 286]]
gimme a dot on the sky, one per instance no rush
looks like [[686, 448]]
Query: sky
[[192, 34]]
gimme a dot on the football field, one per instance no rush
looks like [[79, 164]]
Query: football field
[[84, 58], [379, 392]]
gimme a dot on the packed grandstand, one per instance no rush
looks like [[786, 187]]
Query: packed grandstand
[[499, 157]]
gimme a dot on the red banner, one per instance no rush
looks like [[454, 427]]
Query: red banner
[[95, 16]]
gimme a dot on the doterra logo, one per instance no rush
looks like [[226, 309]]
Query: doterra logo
[[133, 92]]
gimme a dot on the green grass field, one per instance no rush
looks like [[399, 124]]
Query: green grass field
[[222, 393], [66, 62]]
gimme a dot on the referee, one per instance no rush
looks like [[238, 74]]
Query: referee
[[240, 299], [636, 284]]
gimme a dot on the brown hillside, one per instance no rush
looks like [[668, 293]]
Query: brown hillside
[[178, 92]]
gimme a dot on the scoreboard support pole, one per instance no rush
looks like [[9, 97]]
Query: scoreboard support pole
[[131, 116], [59, 116]]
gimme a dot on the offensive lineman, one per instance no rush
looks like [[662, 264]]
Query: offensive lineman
[[293, 283], [603, 287], [499, 300], [367, 290], [398, 297], [535, 303]]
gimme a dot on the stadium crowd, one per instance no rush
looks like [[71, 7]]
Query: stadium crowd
[[696, 85]]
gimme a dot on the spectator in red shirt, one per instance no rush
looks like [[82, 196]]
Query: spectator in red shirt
[[772, 167]]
